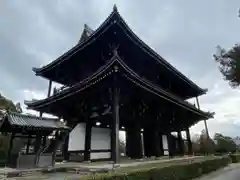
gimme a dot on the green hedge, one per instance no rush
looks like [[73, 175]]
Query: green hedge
[[235, 158], [176, 172]]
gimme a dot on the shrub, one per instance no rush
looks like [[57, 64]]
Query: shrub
[[235, 158], [175, 172]]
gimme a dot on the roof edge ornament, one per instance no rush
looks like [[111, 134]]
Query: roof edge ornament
[[115, 8], [205, 90]]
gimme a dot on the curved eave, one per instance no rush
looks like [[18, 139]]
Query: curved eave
[[159, 58], [76, 48], [134, 77]]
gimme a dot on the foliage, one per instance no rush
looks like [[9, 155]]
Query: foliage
[[235, 158], [224, 143], [229, 64], [6, 104], [203, 144], [183, 172]]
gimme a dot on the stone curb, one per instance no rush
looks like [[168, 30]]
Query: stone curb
[[24, 173]]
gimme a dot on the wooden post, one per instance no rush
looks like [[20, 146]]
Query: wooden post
[[189, 142], [56, 143], [10, 147], [88, 133], [134, 141], [28, 144], [180, 143], [115, 125], [65, 149], [127, 148], [147, 142], [205, 122], [49, 88], [48, 94]]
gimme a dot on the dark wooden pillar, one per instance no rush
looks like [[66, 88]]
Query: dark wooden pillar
[[88, 134], [190, 150], [115, 125], [152, 141], [137, 140], [10, 147], [65, 148], [65, 136], [180, 143], [128, 143], [134, 141], [156, 142]]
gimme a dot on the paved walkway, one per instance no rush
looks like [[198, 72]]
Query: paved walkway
[[232, 172], [130, 163]]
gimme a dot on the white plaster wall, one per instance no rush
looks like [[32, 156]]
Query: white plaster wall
[[77, 138], [165, 143], [101, 155], [166, 153], [101, 138]]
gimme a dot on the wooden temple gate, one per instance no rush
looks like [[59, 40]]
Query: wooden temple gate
[[112, 68]]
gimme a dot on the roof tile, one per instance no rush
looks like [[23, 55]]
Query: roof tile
[[34, 121]]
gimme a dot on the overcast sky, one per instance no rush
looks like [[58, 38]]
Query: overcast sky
[[186, 33]]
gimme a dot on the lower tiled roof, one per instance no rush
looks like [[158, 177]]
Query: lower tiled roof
[[24, 120]]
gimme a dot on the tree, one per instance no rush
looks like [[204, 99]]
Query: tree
[[207, 145], [229, 64], [6, 104], [224, 144], [196, 144]]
